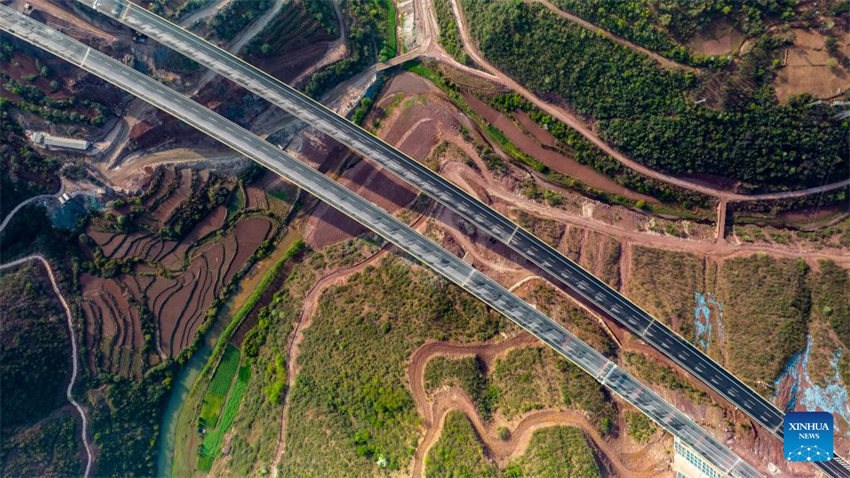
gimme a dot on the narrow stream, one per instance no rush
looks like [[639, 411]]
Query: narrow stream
[[190, 371], [185, 380]]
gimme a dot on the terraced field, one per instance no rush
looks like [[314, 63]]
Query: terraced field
[[162, 260]]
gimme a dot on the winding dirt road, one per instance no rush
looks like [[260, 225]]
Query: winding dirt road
[[74, 352], [305, 319], [434, 410], [31, 200]]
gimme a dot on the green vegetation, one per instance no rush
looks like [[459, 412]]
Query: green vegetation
[[233, 18], [50, 447], [766, 306], [831, 298], [195, 207], [558, 451], [124, 413], [256, 427], [213, 437], [555, 452], [587, 153], [557, 306], [370, 25], [831, 307], [125, 418], [530, 378], [549, 230], [649, 113], [23, 171], [256, 336], [639, 426], [34, 365], [350, 410], [582, 150], [390, 40], [235, 202], [658, 374], [467, 373], [324, 14], [296, 26], [450, 32], [458, 453], [218, 387], [35, 101], [190, 428], [527, 379], [663, 26]]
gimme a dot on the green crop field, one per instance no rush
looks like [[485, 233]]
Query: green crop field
[[219, 385], [214, 437]]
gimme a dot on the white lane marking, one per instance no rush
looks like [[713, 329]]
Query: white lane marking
[[125, 12], [642, 333], [734, 464], [511, 237], [85, 57], [465, 281], [94, 5], [608, 373]]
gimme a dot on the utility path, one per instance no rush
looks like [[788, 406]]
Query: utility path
[[664, 61], [74, 353]]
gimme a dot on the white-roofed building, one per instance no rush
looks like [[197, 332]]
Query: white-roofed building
[[48, 141]]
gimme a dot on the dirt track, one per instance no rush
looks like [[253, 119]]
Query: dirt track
[[622, 41], [457, 173], [305, 319], [74, 351], [433, 410]]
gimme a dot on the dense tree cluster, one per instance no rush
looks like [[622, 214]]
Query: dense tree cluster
[[23, 172], [450, 32], [650, 113], [125, 422], [324, 14], [663, 26], [236, 16], [35, 101], [366, 38], [34, 361]]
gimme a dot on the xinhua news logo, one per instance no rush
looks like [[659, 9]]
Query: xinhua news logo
[[808, 436]]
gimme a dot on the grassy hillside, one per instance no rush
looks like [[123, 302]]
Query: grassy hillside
[[664, 282], [458, 451], [556, 452], [351, 412], [766, 310]]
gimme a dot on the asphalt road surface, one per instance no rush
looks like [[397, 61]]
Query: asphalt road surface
[[427, 252], [561, 269]]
